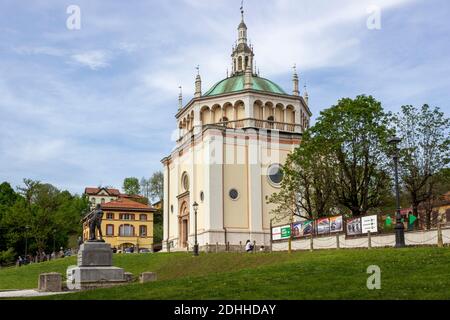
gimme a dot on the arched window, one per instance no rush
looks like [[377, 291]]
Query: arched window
[[240, 63], [246, 62], [103, 200], [126, 230]]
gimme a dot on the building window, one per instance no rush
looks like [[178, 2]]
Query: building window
[[234, 194], [143, 217], [126, 230], [103, 200], [126, 216], [110, 216], [275, 175], [142, 231], [171, 208], [93, 200], [202, 196], [109, 230], [224, 119], [185, 181]]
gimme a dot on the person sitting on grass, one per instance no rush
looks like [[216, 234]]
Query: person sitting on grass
[[248, 246]]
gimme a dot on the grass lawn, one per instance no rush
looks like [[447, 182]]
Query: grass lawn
[[413, 273]]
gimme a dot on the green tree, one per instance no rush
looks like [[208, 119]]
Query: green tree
[[157, 186], [131, 186], [425, 151], [49, 215], [7, 199], [145, 187], [305, 189]]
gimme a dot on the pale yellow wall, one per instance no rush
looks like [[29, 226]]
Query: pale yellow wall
[[116, 240], [173, 190], [268, 190], [235, 177]]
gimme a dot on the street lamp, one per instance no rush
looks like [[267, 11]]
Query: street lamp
[[399, 227], [26, 242], [54, 240], [195, 206]]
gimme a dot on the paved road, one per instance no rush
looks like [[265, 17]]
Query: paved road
[[26, 294]]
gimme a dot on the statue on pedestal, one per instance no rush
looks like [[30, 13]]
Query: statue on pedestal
[[94, 220]]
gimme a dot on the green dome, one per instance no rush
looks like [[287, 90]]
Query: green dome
[[236, 83]]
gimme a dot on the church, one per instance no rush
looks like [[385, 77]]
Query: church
[[232, 142]]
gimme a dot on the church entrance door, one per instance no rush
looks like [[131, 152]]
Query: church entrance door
[[183, 226]]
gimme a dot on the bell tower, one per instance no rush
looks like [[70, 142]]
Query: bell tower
[[242, 56]]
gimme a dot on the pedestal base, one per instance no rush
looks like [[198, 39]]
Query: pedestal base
[[80, 278]]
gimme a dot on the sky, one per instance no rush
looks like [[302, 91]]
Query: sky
[[92, 105]]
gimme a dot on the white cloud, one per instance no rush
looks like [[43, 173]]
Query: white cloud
[[95, 60]]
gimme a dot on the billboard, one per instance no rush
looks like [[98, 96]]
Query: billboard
[[354, 227], [302, 229], [281, 233], [369, 224], [323, 226], [336, 224]]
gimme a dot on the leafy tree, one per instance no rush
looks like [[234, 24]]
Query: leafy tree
[[7, 194], [145, 187], [353, 135], [7, 198], [425, 151], [131, 186], [41, 215], [157, 186], [305, 189]]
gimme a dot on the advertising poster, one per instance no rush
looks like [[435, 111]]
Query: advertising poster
[[302, 229], [354, 227], [323, 226], [276, 233], [369, 224], [336, 224], [281, 233]]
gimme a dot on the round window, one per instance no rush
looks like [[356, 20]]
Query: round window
[[234, 194], [185, 181], [275, 174]]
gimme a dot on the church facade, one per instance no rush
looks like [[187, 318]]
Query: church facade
[[232, 141]]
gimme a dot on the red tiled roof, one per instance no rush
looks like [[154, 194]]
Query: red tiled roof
[[131, 196], [124, 204], [94, 191]]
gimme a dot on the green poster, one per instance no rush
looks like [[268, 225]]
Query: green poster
[[286, 232]]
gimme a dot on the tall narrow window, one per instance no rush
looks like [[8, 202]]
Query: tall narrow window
[[142, 231], [110, 230]]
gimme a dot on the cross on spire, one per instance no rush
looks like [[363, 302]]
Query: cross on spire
[[242, 9]]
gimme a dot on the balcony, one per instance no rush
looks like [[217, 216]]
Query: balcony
[[260, 124]]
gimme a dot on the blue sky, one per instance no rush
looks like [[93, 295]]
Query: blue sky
[[91, 106]]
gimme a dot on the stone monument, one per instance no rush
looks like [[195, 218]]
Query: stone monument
[[94, 268]]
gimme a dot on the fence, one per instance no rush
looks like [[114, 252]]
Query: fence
[[341, 241]]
